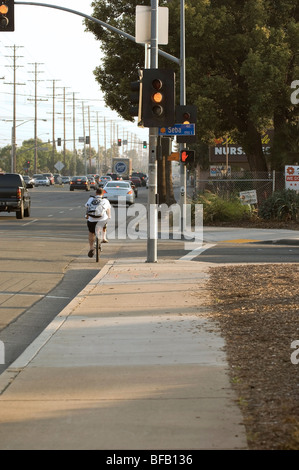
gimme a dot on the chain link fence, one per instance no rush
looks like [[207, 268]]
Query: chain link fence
[[228, 186]]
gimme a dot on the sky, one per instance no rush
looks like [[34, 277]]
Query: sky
[[56, 41]]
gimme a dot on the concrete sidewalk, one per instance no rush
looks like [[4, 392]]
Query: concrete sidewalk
[[133, 362]]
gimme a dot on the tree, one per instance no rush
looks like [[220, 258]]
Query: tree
[[241, 58], [5, 158]]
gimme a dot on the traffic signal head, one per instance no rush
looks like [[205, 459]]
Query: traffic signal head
[[135, 108], [158, 98], [28, 164], [187, 156], [186, 114], [119, 142], [7, 15], [144, 144]]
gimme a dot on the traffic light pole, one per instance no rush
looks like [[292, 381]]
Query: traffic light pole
[[183, 182], [152, 212]]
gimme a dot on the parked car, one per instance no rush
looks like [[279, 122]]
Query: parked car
[[103, 180], [79, 182], [30, 183], [14, 195], [66, 179], [136, 181], [92, 182], [34, 176], [116, 189], [41, 180], [50, 176]]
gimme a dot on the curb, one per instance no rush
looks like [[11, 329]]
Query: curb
[[282, 241]]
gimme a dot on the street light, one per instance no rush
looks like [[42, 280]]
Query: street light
[[13, 145]]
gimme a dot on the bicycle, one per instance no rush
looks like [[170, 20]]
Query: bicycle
[[98, 244]]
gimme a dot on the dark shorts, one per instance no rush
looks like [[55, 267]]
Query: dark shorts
[[92, 226]]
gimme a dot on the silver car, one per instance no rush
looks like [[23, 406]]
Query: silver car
[[42, 180], [114, 190]]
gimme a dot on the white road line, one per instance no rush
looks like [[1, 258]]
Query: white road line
[[197, 251], [31, 222]]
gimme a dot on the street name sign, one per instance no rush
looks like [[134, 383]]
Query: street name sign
[[178, 129]]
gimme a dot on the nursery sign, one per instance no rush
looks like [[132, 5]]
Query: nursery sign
[[292, 177], [248, 197]]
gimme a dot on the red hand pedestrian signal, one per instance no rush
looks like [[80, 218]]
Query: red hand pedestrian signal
[[187, 156], [184, 156]]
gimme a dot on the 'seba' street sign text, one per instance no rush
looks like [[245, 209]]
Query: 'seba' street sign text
[[178, 129]]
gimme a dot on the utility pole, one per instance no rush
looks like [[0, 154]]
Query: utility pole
[[98, 141], [36, 64], [84, 137], [89, 149], [53, 124], [74, 136], [64, 126], [105, 144], [13, 130]]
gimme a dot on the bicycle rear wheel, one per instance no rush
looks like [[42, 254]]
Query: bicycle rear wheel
[[98, 249]]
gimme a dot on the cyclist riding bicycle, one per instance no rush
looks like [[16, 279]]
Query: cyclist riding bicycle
[[95, 223]]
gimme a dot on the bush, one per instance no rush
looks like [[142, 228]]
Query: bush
[[216, 209], [282, 205]]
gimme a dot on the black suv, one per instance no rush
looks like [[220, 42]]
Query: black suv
[[14, 195]]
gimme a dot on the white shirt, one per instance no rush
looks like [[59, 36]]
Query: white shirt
[[106, 204]]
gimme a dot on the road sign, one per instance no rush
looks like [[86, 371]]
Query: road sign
[[143, 24], [178, 130], [174, 157], [292, 177], [59, 166], [248, 197]]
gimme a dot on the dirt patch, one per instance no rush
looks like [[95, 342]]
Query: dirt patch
[[257, 309]]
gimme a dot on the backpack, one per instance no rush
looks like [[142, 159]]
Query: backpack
[[95, 208]]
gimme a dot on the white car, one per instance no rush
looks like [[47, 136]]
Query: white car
[[41, 180], [114, 190]]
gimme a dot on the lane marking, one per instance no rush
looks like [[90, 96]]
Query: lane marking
[[30, 222], [197, 251]]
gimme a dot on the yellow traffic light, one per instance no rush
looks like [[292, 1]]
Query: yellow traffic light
[[3, 9], [7, 15], [158, 97]]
